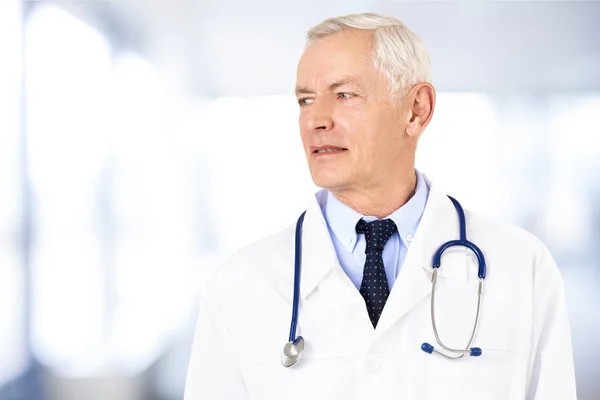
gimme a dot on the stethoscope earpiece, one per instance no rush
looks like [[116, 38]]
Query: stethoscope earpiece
[[473, 351]]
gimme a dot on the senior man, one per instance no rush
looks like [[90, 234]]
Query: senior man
[[364, 288]]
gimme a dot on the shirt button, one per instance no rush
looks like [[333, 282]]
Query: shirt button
[[409, 238]]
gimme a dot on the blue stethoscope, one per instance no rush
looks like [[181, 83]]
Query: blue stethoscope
[[295, 346]]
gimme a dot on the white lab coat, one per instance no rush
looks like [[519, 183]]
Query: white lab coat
[[244, 320]]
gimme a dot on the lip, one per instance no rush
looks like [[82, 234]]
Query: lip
[[314, 150]]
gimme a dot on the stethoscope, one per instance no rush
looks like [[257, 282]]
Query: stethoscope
[[295, 346]]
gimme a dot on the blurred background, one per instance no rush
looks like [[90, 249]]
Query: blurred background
[[142, 142]]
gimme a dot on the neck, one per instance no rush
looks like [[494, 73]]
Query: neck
[[380, 201]]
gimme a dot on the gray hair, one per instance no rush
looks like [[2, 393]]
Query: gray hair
[[399, 53]]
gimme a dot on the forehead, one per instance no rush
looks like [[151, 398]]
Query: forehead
[[349, 52]]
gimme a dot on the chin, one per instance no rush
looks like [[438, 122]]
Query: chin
[[328, 179]]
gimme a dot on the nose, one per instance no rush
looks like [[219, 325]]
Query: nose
[[320, 116]]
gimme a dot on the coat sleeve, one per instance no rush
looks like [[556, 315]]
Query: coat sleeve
[[551, 369], [212, 372]]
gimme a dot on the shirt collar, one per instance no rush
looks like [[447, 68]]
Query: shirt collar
[[342, 219]]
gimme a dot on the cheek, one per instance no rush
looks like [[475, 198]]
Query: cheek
[[367, 133], [303, 129], [388, 131], [356, 124]]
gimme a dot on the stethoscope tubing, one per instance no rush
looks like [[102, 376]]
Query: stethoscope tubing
[[293, 349]]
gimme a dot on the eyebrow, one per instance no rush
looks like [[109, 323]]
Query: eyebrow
[[333, 86]]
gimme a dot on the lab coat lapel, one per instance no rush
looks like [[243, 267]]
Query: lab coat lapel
[[438, 225], [318, 253]]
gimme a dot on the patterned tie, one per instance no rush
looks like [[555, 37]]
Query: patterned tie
[[374, 287]]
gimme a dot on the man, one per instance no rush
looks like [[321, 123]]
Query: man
[[363, 86]]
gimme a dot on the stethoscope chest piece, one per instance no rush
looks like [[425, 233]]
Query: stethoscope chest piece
[[292, 352]]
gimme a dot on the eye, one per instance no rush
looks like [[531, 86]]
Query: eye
[[345, 95], [305, 101]]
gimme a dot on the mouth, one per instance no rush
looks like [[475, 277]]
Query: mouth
[[327, 150]]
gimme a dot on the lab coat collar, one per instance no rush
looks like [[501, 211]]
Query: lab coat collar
[[442, 226], [439, 224], [318, 253]]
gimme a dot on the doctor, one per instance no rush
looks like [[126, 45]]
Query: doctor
[[368, 238]]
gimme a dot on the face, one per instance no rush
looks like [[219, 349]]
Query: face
[[352, 132]]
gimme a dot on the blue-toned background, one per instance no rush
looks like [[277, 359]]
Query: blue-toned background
[[134, 135]]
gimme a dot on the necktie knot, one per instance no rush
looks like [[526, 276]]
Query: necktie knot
[[377, 233]]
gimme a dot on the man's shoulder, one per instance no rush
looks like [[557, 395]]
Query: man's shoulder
[[267, 258], [274, 246], [505, 236]]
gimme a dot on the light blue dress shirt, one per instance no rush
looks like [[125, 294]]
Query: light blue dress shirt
[[350, 247]]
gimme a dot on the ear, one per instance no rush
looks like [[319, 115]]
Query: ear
[[421, 103]]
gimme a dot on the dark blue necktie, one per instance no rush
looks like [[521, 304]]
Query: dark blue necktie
[[374, 286]]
